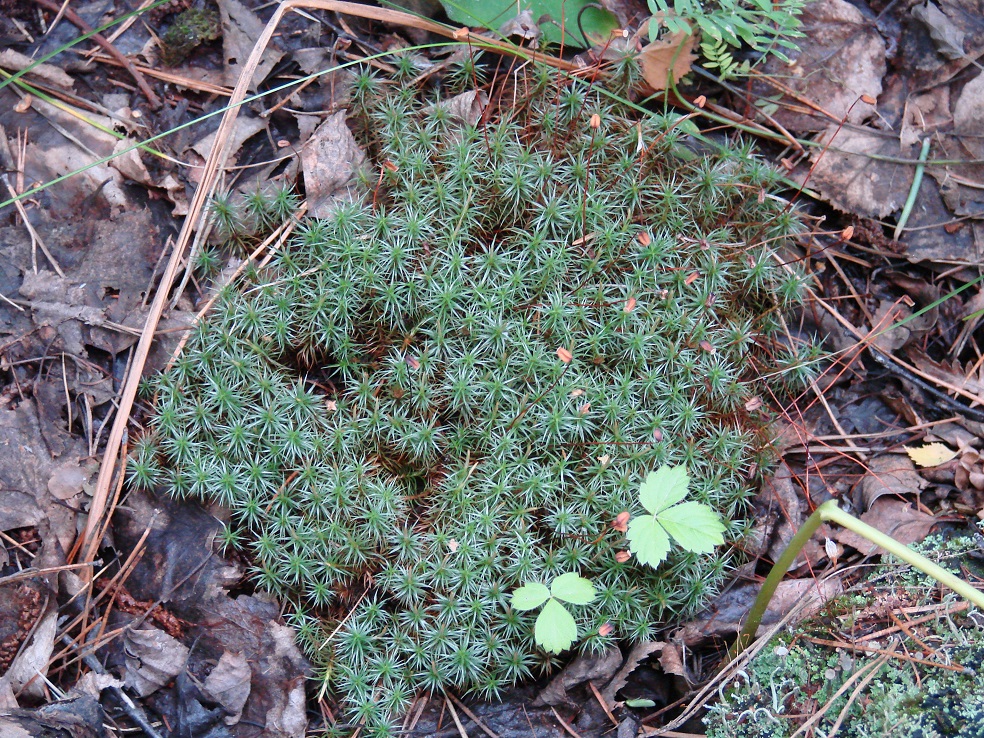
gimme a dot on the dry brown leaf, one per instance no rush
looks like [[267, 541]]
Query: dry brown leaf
[[16, 62], [329, 161], [840, 58], [894, 518], [852, 181], [948, 37], [889, 475], [673, 55], [153, 658], [240, 29], [229, 684], [671, 659], [728, 611], [639, 653], [597, 668]]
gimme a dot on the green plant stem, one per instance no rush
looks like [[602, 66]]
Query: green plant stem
[[914, 189], [829, 512]]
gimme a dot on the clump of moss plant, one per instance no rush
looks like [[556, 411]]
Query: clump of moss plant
[[189, 30], [454, 386], [794, 677]]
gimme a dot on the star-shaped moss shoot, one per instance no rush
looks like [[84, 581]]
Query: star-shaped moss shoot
[[693, 525]]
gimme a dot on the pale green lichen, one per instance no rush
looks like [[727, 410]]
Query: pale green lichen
[[793, 678]]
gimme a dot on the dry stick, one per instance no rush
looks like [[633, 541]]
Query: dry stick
[[88, 544], [110, 49], [457, 721], [474, 718], [175, 79]]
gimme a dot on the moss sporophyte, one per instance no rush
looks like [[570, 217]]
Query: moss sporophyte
[[454, 388]]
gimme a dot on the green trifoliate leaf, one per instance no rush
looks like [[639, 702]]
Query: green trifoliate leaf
[[555, 629], [696, 527], [647, 540], [530, 596], [664, 487], [573, 588]]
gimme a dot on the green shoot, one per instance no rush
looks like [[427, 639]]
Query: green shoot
[[693, 525], [555, 630]]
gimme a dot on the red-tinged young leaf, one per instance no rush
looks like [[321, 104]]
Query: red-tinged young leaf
[[555, 629], [648, 541], [572, 588], [530, 596], [696, 527]]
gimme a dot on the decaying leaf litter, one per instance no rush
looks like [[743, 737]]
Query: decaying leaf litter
[[76, 315]]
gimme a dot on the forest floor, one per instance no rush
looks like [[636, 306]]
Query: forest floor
[[878, 124]]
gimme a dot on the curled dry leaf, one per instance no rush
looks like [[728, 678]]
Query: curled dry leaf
[[889, 475], [666, 59], [895, 518], [970, 471]]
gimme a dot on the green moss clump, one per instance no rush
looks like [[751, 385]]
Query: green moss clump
[[793, 678], [387, 409], [189, 30]]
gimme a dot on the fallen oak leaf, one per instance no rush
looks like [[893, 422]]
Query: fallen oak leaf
[[669, 57]]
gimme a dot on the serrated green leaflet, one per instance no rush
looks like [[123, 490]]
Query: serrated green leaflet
[[664, 487], [530, 596], [551, 15], [694, 526], [648, 541], [572, 588], [555, 629]]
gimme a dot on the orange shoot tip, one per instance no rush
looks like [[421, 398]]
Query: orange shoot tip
[[629, 305], [657, 435], [390, 166], [595, 121], [706, 346], [606, 630], [847, 233], [644, 238], [621, 522], [622, 556], [700, 101], [461, 33], [564, 355], [868, 99]]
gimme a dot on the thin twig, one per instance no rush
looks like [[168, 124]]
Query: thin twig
[[77, 21]]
